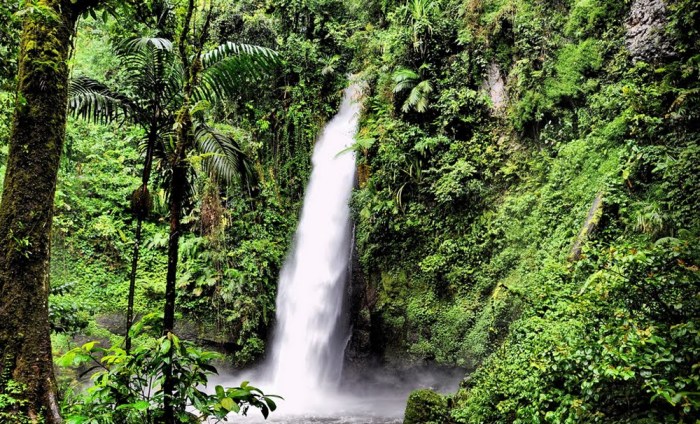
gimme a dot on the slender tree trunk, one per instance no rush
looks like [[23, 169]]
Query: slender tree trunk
[[26, 210], [132, 285], [142, 213], [178, 186]]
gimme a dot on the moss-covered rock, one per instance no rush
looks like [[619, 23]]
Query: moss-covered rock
[[425, 407]]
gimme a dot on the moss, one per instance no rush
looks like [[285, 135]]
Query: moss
[[27, 206], [426, 407]]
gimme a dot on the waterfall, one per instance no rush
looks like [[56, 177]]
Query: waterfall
[[311, 332]]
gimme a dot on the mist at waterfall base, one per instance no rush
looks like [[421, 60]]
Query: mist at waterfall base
[[305, 364]]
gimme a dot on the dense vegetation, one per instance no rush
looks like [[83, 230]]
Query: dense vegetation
[[472, 216], [529, 181]]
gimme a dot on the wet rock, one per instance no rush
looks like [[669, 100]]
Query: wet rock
[[361, 300], [647, 39], [114, 322], [592, 220], [201, 332]]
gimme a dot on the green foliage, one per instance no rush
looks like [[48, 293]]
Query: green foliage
[[590, 16], [64, 313], [616, 341], [466, 217], [425, 407], [571, 79], [13, 399], [9, 44], [128, 387]]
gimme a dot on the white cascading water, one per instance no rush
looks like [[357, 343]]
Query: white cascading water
[[311, 334]]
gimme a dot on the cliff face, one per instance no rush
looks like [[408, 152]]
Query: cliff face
[[530, 203], [646, 37]]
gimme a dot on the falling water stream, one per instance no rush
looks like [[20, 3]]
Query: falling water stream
[[312, 327], [311, 334]]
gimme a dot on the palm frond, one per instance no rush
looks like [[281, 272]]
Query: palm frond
[[223, 156], [228, 50], [419, 97], [404, 79], [137, 44], [228, 67], [150, 66], [92, 100]]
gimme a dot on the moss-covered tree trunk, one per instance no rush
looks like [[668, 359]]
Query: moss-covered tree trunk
[[191, 65], [26, 210]]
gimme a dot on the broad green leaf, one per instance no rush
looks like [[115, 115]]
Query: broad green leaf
[[165, 347]]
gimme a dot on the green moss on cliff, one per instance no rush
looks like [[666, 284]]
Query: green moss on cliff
[[481, 210]]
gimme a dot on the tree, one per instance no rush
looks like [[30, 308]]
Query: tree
[[208, 75], [420, 15], [153, 72], [26, 210], [174, 90], [150, 74]]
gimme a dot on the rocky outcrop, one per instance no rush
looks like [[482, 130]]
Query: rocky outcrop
[[426, 407], [359, 348], [647, 39], [187, 329], [495, 86]]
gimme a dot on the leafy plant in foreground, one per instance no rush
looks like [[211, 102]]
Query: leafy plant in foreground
[[128, 387]]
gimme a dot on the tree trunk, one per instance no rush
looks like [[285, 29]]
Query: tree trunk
[[26, 211], [132, 286], [178, 185], [142, 212]]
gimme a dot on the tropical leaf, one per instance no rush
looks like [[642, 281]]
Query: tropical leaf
[[419, 96], [404, 79], [93, 101], [136, 44], [223, 156], [230, 66], [228, 50]]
